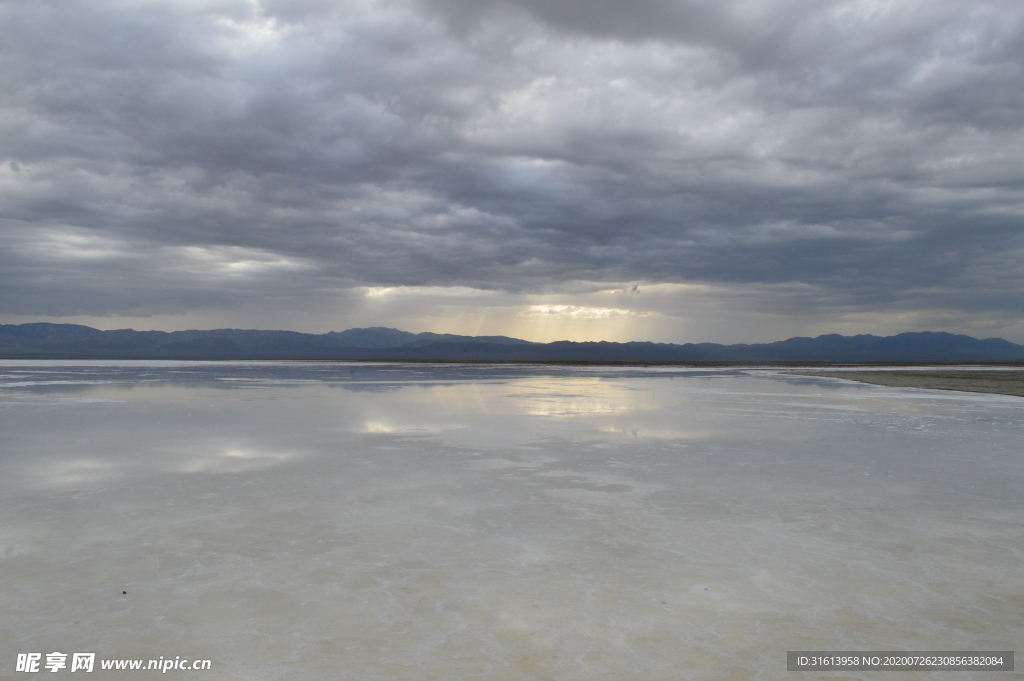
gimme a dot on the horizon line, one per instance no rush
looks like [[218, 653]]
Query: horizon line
[[435, 333]]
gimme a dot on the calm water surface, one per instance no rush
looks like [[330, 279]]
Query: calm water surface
[[393, 522]]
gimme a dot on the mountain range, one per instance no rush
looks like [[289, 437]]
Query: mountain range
[[44, 340]]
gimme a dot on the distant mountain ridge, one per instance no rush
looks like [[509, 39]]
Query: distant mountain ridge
[[44, 340], [384, 337]]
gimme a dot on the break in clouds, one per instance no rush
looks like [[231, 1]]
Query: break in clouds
[[841, 161]]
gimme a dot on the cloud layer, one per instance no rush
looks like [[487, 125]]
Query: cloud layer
[[828, 160]]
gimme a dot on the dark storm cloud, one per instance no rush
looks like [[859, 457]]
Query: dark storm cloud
[[166, 156]]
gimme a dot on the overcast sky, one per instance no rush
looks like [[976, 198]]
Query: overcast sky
[[671, 170]]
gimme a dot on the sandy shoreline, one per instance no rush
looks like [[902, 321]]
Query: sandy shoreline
[[966, 380]]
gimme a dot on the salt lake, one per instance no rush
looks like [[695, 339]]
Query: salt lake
[[407, 521]]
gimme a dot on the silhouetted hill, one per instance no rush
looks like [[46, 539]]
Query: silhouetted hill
[[383, 337], [76, 341], [373, 337]]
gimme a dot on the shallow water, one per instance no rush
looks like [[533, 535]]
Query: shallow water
[[361, 521]]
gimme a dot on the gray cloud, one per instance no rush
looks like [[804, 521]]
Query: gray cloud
[[174, 156]]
